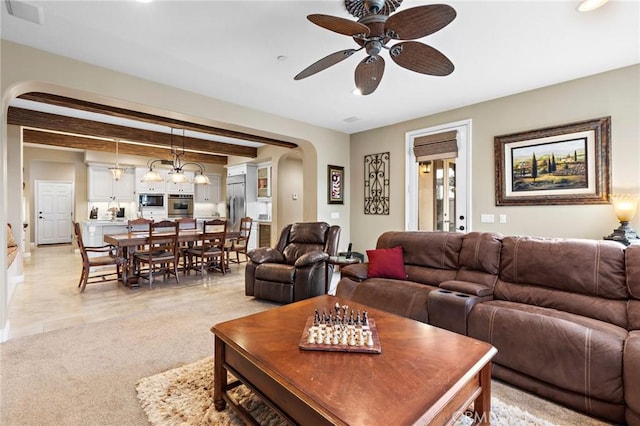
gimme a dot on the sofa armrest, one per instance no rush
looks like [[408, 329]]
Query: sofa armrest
[[311, 258], [450, 310], [467, 287], [355, 271], [265, 255]]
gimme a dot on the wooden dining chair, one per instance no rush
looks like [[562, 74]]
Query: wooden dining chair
[[210, 247], [161, 254], [239, 245], [106, 255], [185, 223]]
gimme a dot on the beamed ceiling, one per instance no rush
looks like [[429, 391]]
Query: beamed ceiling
[[65, 131]]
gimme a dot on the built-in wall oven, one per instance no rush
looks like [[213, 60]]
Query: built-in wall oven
[[180, 205]]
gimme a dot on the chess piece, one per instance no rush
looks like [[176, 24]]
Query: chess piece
[[370, 338]]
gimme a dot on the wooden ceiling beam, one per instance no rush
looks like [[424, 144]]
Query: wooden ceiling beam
[[80, 142], [149, 118], [78, 126]]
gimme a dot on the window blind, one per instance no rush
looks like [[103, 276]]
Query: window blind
[[438, 145]]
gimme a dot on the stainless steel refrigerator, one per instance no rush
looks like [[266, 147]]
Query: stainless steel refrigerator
[[236, 201]]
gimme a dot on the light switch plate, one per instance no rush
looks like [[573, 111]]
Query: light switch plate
[[335, 215], [487, 218]]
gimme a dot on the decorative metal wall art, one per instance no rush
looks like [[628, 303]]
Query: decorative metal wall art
[[376, 183]]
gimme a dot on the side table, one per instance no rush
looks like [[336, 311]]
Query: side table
[[336, 261]]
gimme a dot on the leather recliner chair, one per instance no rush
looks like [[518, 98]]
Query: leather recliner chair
[[295, 269]]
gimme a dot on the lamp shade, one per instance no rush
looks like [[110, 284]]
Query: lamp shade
[[201, 179], [625, 206], [152, 176], [116, 172], [177, 177]]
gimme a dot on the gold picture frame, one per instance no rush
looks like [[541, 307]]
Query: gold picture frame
[[566, 164]]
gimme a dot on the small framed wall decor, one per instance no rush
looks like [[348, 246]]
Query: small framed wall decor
[[566, 164], [335, 184]]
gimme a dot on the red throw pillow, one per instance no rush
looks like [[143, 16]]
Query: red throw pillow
[[386, 263]]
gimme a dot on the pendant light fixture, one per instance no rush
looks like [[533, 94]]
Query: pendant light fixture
[[176, 175], [116, 170]]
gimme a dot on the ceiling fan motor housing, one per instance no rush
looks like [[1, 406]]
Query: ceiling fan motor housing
[[360, 8]]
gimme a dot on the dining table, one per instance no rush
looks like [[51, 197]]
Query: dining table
[[127, 243]]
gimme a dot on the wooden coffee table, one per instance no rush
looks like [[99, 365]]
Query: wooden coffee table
[[424, 374]]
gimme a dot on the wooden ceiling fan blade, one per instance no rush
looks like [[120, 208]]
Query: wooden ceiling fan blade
[[419, 21], [369, 74], [339, 25], [421, 58], [325, 63]]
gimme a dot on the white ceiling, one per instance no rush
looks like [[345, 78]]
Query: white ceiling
[[229, 50]]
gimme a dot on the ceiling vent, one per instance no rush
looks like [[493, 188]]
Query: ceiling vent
[[25, 11]]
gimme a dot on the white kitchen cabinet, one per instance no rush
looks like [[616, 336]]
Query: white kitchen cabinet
[[180, 188], [102, 187], [208, 193], [149, 187], [264, 182]]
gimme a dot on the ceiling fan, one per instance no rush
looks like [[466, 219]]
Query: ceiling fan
[[375, 28]]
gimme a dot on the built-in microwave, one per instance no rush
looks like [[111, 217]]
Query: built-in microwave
[[151, 200]]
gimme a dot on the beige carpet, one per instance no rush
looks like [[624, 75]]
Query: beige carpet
[[87, 374], [183, 396]]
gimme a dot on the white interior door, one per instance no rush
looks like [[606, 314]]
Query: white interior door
[[54, 212]]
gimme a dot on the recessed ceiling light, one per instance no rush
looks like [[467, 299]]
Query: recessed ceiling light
[[589, 5], [281, 58]]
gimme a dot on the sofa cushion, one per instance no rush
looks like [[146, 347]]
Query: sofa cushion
[[569, 351], [632, 262], [438, 250], [481, 252], [399, 297], [632, 372], [309, 233], [295, 250], [276, 272], [591, 267], [386, 263], [613, 311]]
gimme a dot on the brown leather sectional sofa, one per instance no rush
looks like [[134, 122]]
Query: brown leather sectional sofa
[[564, 314]]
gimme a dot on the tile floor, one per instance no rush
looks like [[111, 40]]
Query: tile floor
[[49, 298]]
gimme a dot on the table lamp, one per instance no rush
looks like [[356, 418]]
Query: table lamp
[[625, 206]]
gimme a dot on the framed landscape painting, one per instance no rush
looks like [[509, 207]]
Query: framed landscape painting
[[567, 164]]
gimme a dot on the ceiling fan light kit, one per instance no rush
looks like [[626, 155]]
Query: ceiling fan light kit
[[375, 28]]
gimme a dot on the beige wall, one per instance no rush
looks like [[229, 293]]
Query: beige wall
[[615, 93], [290, 182], [24, 69], [54, 165]]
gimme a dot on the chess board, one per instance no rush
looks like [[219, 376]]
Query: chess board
[[367, 344]]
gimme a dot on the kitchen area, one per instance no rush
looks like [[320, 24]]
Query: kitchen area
[[245, 190]]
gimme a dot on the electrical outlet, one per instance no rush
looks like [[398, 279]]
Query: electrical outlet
[[503, 218], [487, 218]]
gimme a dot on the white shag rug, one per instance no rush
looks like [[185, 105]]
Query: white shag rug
[[183, 396]]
